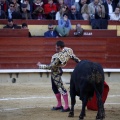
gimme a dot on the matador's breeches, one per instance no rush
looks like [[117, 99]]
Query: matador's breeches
[[56, 77]]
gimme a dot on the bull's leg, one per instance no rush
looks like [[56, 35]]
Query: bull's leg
[[73, 101], [101, 112], [84, 103], [71, 113]]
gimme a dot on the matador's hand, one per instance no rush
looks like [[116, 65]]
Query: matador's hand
[[38, 64], [41, 66]]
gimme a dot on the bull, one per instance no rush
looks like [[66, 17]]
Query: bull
[[87, 78]]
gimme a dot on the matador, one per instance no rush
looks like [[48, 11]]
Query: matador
[[59, 60]]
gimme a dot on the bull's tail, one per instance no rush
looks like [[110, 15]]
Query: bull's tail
[[99, 96]]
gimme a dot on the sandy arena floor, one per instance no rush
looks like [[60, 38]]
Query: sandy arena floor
[[34, 101]]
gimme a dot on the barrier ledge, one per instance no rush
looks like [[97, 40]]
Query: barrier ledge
[[45, 71], [55, 22]]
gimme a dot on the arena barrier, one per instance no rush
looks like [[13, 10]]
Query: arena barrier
[[42, 75]]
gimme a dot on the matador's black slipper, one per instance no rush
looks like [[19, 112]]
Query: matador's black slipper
[[65, 110], [57, 108]]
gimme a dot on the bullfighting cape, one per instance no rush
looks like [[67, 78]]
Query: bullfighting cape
[[92, 104]]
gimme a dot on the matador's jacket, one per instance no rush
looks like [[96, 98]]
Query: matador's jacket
[[59, 60]]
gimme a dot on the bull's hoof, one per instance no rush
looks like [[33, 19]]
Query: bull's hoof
[[99, 118], [71, 114], [103, 115], [81, 117]]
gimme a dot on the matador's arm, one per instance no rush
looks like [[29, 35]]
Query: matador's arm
[[76, 59], [72, 55], [53, 64]]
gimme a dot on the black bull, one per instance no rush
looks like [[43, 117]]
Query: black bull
[[86, 78]]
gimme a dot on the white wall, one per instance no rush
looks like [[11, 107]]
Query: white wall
[[46, 77]]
